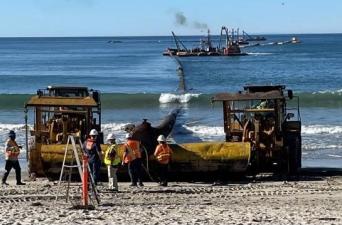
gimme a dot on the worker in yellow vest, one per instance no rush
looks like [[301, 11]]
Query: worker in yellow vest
[[163, 154], [12, 151], [112, 161], [132, 157]]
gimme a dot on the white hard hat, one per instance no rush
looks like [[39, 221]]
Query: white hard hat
[[161, 138], [128, 135], [93, 132], [111, 136]]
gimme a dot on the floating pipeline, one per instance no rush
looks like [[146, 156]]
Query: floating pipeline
[[329, 99]]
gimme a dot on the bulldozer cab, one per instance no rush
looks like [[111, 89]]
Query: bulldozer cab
[[61, 111], [260, 115]]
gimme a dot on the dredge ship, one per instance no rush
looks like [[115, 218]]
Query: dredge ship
[[230, 48]]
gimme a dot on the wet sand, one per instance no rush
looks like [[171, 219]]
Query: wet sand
[[308, 200]]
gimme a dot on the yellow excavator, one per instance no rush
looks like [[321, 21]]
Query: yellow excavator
[[261, 133]]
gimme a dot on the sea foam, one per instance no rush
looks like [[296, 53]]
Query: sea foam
[[206, 133], [15, 127], [334, 92], [321, 129], [259, 53], [175, 98]]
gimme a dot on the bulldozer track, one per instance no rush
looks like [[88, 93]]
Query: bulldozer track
[[157, 194], [219, 194], [9, 199]]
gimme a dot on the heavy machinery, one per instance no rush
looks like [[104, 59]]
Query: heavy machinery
[[259, 116], [59, 111], [231, 47], [262, 133]]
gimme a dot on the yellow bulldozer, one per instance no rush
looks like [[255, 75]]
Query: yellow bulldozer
[[261, 133], [59, 111], [260, 116]]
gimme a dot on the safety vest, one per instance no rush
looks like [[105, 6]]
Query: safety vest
[[92, 149], [12, 150], [163, 153], [132, 151], [111, 156], [89, 144]]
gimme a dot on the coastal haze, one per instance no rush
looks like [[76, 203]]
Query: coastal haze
[[137, 82]]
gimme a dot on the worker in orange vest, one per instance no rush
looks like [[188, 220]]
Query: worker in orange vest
[[92, 149], [132, 157], [12, 151], [163, 154]]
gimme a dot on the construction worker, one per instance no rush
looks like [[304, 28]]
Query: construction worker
[[163, 154], [132, 157], [93, 149], [112, 161], [12, 151]]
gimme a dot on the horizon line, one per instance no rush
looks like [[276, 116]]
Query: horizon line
[[187, 35]]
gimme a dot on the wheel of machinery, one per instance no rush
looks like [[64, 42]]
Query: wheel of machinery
[[294, 152]]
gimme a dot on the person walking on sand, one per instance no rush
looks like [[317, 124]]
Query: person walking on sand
[[112, 161], [163, 154], [12, 151], [132, 157], [93, 149]]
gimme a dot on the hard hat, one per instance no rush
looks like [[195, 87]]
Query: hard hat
[[93, 132], [161, 138], [11, 133], [128, 135], [111, 136]]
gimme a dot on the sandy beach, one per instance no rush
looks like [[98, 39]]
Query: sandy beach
[[308, 200]]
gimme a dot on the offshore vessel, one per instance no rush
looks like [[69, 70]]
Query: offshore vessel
[[230, 48]]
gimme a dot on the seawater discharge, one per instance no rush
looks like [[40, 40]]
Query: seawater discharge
[[137, 82]]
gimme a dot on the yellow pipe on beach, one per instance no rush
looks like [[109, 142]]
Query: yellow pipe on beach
[[189, 157]]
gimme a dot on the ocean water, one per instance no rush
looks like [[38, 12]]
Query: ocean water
[[137, 82]]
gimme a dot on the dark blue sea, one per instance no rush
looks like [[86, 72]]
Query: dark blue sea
[[137, 82]]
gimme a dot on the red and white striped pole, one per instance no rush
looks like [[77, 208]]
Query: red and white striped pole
[[85, 181]]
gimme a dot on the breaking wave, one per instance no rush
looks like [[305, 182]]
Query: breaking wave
[[310, 147], [206, 133], [175, 98], [259, 53], [329, 99], [20, 130], [8, 127], [336, 92], [321, 129]]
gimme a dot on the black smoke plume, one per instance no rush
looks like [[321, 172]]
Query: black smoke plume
[[180, 19]]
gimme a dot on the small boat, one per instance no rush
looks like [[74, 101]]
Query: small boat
[[248, 37], [243, 42], [295, 40]]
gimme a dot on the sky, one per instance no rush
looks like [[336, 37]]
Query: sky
[[45, 18]]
